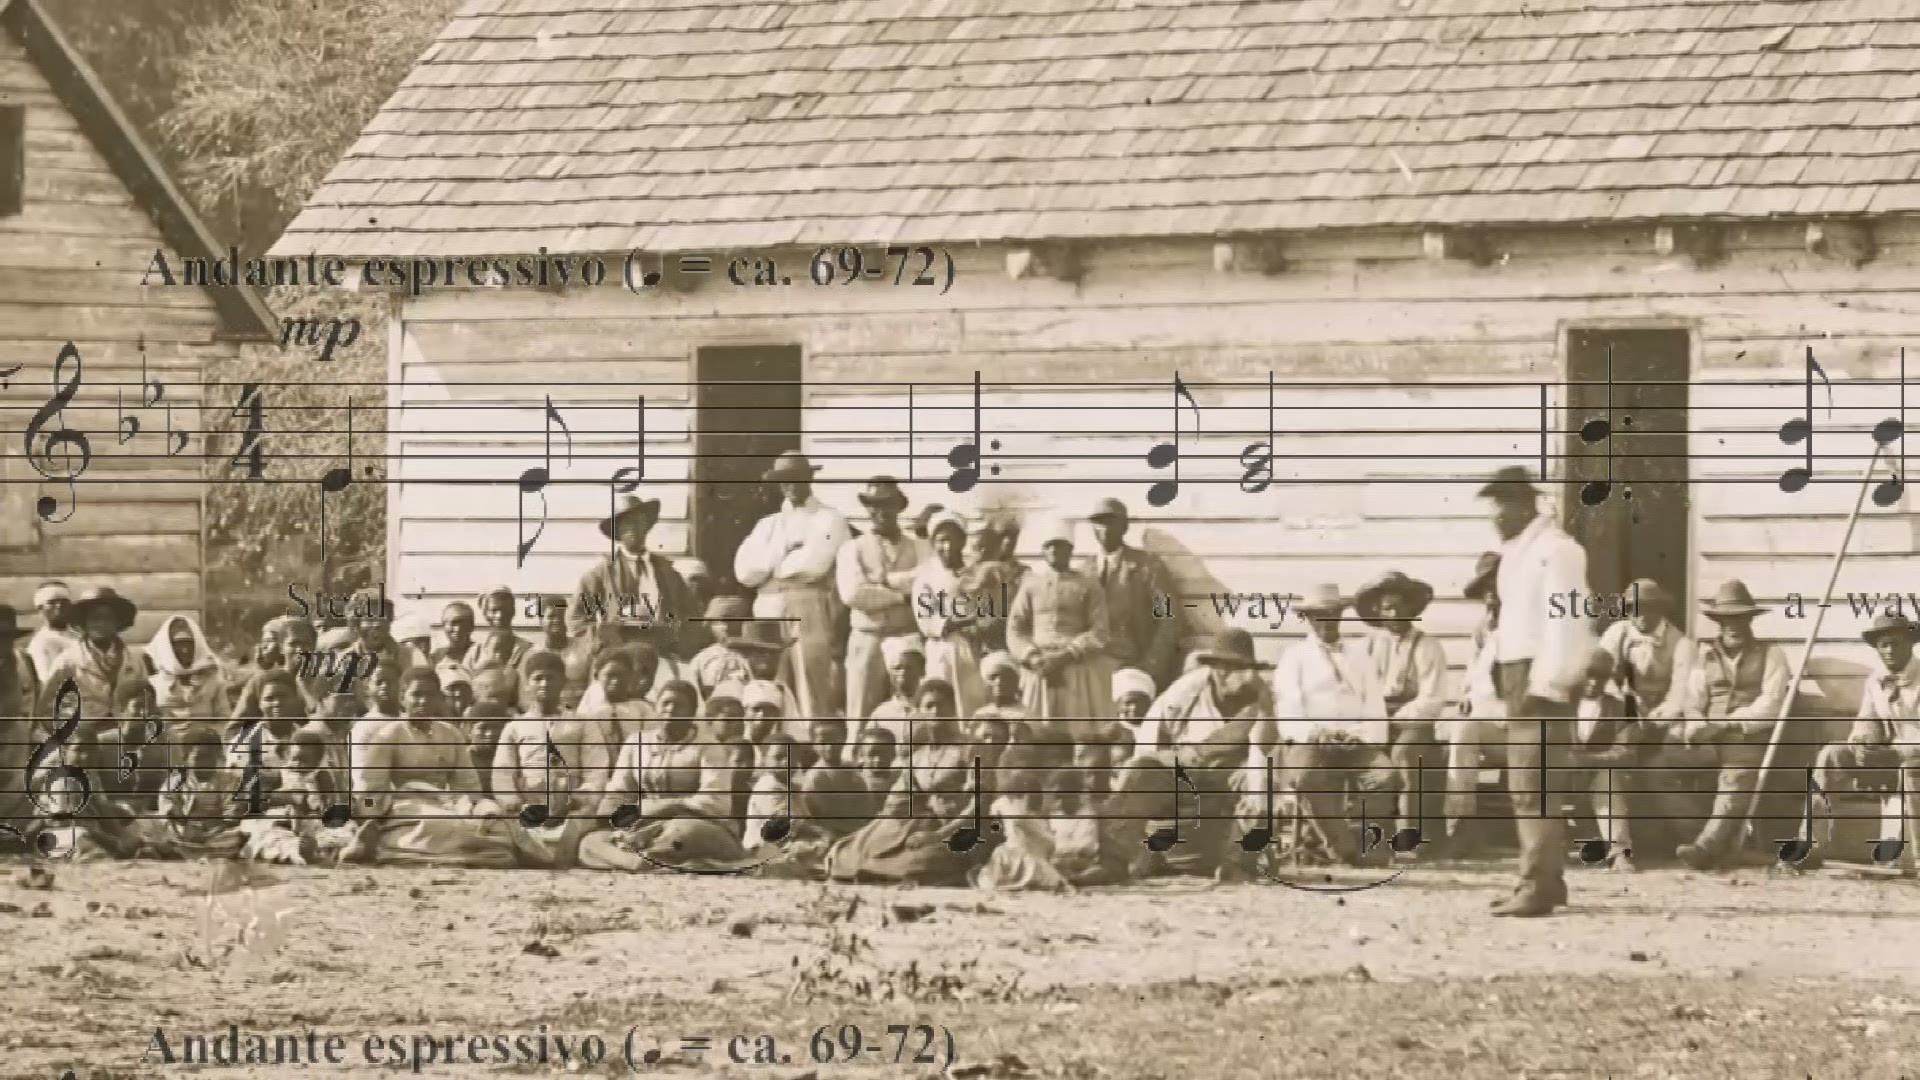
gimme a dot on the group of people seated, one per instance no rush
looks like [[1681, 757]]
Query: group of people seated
[[912, 703]]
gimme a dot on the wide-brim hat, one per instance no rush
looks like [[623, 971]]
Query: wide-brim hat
[[1731, 601], [10, 622], [1889, 622], [1108, 508], [1418, 594], [790, 465], [762, 634], [1323, 600], [630, 506], [1486, 574], [883, 491], [1232, 647], [1512, 482], [104, 598], [1649, 593]]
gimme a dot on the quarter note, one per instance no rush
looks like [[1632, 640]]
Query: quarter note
[[339, 813], [1799, 430], [1407, 841], [534, 815], [68, 441], [1257, 838], [1257, 458], [1887, 431], [1886, 851], [334, 481], [534, 482], [967, 837], [1795, 851], [1598, 430], [965, 458], [1167, 454], [1162, 839], [779, 827], [627, 815]]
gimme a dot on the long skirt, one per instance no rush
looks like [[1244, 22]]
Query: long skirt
[[951, 658], [693, 845], [427, 828], [905, 850]]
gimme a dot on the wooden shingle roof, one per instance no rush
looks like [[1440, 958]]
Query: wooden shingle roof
[[244, 313], [598, 125]]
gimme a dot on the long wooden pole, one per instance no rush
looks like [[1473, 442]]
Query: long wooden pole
[[1813, 635]]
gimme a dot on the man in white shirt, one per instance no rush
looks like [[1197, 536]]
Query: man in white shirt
[[1413, 674], [54, 601], [1541, 655], [1332, 725], [874, 575], [1887, 734], [1478, 733], [789, 560]]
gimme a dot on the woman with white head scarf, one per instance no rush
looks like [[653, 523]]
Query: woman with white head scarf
[[1057, 632], [189, 681], [947, 614]]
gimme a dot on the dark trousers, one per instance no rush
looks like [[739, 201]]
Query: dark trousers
[[1318, 774], [1531, 723]]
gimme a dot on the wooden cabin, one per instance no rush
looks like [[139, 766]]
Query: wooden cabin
[[84, 204], [1433, 226]]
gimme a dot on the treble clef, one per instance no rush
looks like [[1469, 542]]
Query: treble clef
[[66, 440], [66, 713]]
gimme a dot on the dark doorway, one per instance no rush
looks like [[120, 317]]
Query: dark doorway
[[1640, 531], [747, 411]]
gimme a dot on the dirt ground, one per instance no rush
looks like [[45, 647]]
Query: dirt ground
[[1662, 974]]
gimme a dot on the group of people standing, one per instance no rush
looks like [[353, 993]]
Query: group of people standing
[[915, 703]]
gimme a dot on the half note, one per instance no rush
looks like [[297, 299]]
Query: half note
[[534, 482], [1166, 455], [966, 458], [1885, 433], [1257, 458], [1887, 850], [1799, 430], [1600, 430], [626, 479]]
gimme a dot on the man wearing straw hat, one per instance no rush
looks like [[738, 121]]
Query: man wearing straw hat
[[1540, 664], [1735, 691], [874, 574], [657, 600], [789, 560], [1886, 736]]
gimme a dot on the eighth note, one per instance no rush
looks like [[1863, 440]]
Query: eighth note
[[1167, 454], [534, 482], [1800, 429]]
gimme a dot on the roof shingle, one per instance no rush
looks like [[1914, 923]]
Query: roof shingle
[[616, 124]]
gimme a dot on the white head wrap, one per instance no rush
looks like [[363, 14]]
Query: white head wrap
[[995, 661], [947, 517], [1052, 528], [893, 648], [51, 591], [1131, 681], [764, 692]]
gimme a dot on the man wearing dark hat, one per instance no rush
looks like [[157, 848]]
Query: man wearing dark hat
[[789, 560], [631, 583], [1736, 690], [874, 573], [1134, 580], [109, 675], [1540, 665], [1886, 736], [1413, 674]]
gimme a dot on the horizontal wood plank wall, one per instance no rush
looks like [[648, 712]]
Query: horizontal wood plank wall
[[1363, 307], [70, 268]]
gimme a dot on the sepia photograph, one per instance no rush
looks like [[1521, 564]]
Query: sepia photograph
[[990, 540]]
